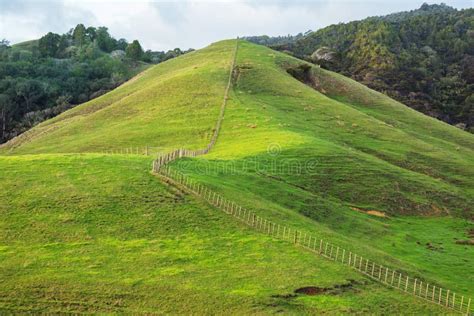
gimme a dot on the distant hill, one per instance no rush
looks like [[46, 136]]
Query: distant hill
[[423, 58], [42, 78]]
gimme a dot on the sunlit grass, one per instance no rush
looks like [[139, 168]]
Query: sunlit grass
[[94, 233]]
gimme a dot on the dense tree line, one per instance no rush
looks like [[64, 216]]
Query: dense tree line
[[42, 78], [275, 40], [423, 58]]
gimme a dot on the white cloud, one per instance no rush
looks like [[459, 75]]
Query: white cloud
[[162, 25]]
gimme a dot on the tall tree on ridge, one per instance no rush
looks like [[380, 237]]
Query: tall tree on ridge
[[134, 50], [79, 34]]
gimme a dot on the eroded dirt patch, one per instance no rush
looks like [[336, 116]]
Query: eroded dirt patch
[[311, 290], [376, 213], [316, 290], [469, 242], [370, 212], [470, 233]]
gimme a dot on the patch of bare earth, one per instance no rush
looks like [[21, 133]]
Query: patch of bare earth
[[311, 290], [470, 241], [370, 212]]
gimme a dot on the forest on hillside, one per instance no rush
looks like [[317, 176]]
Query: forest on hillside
[[42, 78], [423, 58]]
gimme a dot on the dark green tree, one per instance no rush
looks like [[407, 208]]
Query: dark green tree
[[31, 91], [4, 47], [64, 43], [48, 45], [6, 107], [134, 50], [79, 34], [104, 40], [121, 44], [91, 33]]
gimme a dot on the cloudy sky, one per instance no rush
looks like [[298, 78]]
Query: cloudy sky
[[162, 25]]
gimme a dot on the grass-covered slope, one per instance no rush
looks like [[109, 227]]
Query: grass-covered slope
[[95, 233], [315, 155], [174, 103], [320, 158]]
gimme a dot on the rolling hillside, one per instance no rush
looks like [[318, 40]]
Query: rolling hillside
[[422, 58], [301, 145]]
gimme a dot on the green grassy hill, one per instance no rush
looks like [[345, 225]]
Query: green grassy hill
[[320, 153], [27, 45], [95, 233]]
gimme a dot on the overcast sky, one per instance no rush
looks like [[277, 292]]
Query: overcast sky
[[163, 25]]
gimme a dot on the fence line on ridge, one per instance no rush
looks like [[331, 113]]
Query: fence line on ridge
[[389, 277], [181, 152]]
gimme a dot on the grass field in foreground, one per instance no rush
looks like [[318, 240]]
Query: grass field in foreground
[[93, 233]]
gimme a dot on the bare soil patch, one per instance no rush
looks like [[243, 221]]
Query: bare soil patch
[[469, 242], [311, 290], [370, 212]]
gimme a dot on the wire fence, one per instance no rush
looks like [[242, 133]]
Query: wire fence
[[178, 153], [385, 275], [380, 273], [153, 151]]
